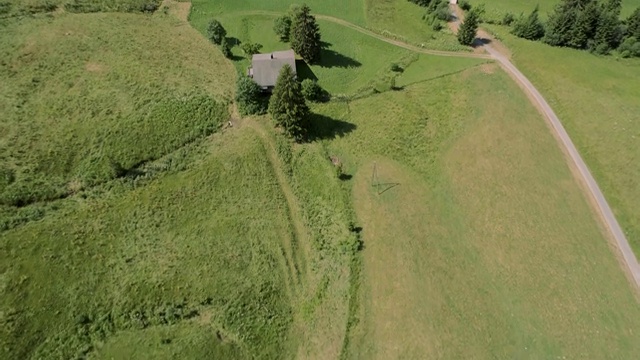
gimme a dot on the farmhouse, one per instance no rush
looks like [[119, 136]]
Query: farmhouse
[[265, 68]]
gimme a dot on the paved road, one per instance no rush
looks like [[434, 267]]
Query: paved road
[[606, 213]]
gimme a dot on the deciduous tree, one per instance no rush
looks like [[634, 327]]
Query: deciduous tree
[[216, 32]]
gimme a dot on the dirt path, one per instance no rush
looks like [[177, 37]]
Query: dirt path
[[500, 54]]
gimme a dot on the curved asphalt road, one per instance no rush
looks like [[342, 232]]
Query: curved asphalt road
[[609, 219]]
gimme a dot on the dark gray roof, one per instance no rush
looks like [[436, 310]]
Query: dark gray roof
[[266, 67]]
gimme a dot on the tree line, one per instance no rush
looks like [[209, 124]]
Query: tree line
[[592, 25]]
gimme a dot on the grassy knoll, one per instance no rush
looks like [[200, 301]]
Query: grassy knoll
[[481, 244], [394, 18], [597, 100], [88, 97], [497, 8]]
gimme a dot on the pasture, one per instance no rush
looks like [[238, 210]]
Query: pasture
[[169, 235], [600, 112], [478, 243]]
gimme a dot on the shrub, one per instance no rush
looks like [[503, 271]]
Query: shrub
[[507, 19], [251, 48], [312, 91], [216, 32], [396, 68], [630, 47], [529, 27], [464, 5], [225, 48], [249, 97], [282, 27]]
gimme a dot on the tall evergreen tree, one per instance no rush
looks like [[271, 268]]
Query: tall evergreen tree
[[468, 29], [529, 27], [287, 105], [305, 34], [585, 26], [561, 22], [633, 24], [608, 34]]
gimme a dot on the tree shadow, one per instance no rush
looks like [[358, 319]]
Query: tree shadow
[[324, 127], [345, 177], [233, 41], [303, 71], [330, 59], [478, 42]]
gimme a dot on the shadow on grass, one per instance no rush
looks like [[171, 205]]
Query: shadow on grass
[[324, 127], [303, 71], [331, 59]]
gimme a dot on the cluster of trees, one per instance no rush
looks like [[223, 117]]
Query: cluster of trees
[[287, 105], [301, 28], [584, 24]]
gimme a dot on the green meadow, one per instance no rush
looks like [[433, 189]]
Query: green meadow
[[135, 223]]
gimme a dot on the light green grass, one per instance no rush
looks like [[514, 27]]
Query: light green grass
[[497, 8], [597, 100], [482, 244]]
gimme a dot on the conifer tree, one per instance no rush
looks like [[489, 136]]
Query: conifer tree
[[529, 27], [287, 105], [585, 26], [561, 22], [305, 34], [468, 29], [216, 32], [633, 24]]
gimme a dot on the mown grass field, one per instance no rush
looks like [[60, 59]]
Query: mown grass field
[[394, 18], [478, 243], [597, 100]]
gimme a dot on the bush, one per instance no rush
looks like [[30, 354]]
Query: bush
[[249, 97], [225, 48], [312, 91], [396, 68], [216, 32], [630, 47], [464, 5], [507, 19], [282, 27], [251, 48]]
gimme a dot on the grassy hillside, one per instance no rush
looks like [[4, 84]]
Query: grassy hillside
[[477, 240], [600, 112], [178, 257], [89, 97]]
